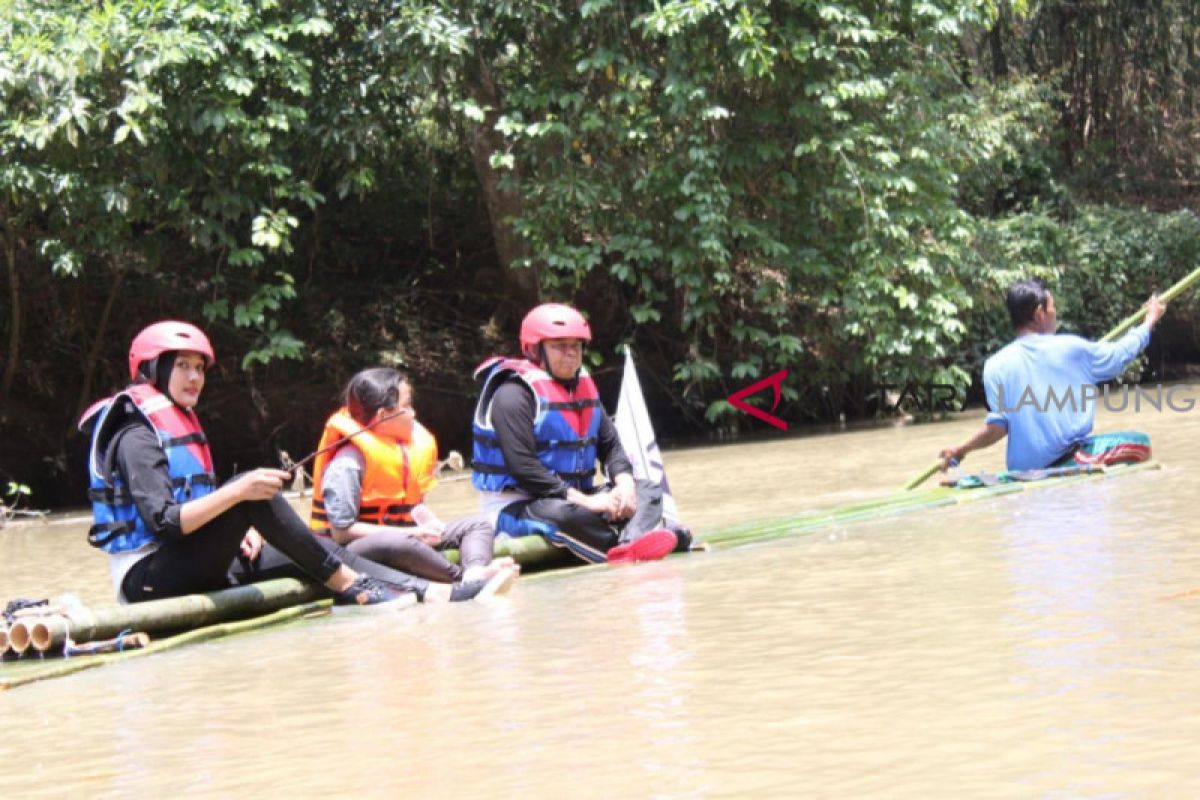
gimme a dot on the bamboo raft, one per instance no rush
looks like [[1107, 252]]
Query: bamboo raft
[[90, 638]]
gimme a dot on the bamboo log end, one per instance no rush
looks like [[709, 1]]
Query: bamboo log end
[[19, 637], [48, 633]]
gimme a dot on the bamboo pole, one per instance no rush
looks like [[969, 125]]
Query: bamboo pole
[[531, 552], [158, 616], [1167, 296], [924, 476], [905, 503], [3, 639], [18, 636], [56, 668]]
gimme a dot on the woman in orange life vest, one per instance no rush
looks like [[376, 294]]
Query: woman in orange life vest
[[168, 529], [369, 493]]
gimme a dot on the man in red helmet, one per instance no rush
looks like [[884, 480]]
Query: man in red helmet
[[166, 526], [539, 429]]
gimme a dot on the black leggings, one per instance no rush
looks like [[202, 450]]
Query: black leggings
[[201, 560], [587, 534], [272, 563], [473, 537]]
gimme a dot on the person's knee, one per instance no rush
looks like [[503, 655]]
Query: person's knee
[[648, 491], [566, 516]]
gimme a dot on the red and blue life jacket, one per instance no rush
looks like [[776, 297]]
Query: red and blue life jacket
[[565, 425], [118, 527]]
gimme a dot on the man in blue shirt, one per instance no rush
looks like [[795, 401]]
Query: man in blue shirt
[[1042, 388]]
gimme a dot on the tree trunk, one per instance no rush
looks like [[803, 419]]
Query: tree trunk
[[1066, 61], [520, 284], [1189, 68], [93, 356], [996, 38], [14, 324]]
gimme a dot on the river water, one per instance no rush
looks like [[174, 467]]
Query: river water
[[1036, 645]]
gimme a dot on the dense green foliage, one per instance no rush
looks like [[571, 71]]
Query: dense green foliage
[[841, 188]]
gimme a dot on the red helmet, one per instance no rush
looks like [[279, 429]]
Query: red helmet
[[156, 339], [553, 321]]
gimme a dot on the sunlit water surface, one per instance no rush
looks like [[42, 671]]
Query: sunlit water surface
[[1036, 645]]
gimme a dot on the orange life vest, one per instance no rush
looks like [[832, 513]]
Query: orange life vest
[[396, 477]]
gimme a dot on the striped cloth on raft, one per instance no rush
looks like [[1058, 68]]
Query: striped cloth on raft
[[1118, 447]]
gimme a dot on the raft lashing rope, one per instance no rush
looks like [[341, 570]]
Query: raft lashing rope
[[44, 627]]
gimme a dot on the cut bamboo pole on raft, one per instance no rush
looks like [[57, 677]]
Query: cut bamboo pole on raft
[[531, 552], [159, 616], [18, 636], [58, 668]]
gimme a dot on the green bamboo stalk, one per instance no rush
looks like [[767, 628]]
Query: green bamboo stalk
[[158, 616], [1167, 296], [900, 504], [531, 552], [924, 476], [56, 669]]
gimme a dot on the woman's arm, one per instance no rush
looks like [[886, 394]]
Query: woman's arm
[[142, 464], [260, 484]]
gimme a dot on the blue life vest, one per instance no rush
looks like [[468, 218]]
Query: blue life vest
[[565, 426], [118, 527]]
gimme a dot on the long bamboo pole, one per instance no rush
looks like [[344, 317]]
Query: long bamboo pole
[[49, 633], [1133, 319], [56, 668], [924, 476], [1170, 294], [906, 503]]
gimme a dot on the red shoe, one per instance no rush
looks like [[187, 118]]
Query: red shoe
[[656, 544]]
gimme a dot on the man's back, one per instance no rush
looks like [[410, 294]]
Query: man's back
[[1042, 387]]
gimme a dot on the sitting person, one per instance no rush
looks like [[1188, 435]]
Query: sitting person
[[539, 429], [369, 493], [1039, 386], [167, 527]]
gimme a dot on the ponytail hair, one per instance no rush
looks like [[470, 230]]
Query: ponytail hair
[[370, 390]]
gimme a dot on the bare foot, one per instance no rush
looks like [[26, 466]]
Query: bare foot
[[483, 572]]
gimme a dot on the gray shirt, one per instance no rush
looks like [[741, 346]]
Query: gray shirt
[[342, 486]]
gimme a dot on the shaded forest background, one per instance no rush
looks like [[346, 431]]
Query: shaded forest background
[[842, 189]]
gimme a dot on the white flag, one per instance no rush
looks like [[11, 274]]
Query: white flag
[[637, 437]]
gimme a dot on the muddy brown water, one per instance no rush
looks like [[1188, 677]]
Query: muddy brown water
[[1018, 647]]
